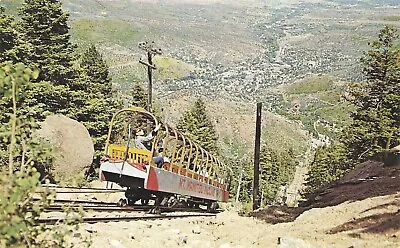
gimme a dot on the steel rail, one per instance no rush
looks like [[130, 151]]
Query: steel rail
[[54, 208], [72, 189], [80, 201], [135, 208], [52, 221], [84, 191]]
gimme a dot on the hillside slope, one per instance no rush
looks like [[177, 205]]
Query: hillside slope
[[349, 224], [368, 182]]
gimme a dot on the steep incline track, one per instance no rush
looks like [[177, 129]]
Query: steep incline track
[[102, 211], [117, 218]]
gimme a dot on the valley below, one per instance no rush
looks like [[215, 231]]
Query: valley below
[[234, 53]]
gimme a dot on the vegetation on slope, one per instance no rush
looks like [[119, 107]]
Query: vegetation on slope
[[19, 211], [375, 122], [79, 89], [319, 104], [104, 31]]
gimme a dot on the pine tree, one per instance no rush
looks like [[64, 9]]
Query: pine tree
[[246, 190], [197, 126], [288, 163], [45, 41], [139, 95], [376, 125], [277, 169], [329, 164], [40, 97], [95, 68], [93, 102], [8, 36]]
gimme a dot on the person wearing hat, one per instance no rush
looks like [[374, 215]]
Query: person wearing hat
[[141, 140]]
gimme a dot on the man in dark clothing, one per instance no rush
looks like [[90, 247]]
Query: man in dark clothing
[[159, 159], [141, 140]]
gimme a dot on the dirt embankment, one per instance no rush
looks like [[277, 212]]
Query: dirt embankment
[[359, 211], [368, 180]]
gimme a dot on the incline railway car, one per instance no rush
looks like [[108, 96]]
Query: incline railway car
[[154, 161]]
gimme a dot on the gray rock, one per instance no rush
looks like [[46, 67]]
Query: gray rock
[[91, 230], [196, 230], [226, 245], [116, 244], [182, 240], [174, 231], [289, 242]]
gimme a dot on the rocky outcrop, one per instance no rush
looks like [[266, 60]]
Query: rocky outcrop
[[72, 145]]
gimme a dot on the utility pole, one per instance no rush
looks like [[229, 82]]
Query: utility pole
[[151, 50], [256, 191]]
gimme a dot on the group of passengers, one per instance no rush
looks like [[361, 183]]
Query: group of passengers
[[143, 142]]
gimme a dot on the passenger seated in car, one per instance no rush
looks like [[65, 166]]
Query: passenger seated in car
[[141, 140], [160, 159]]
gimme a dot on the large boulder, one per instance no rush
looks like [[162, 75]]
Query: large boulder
[[73, 145]]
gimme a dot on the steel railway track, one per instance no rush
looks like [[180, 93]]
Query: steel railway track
[[90, 206], [52, 221], [136, 208]]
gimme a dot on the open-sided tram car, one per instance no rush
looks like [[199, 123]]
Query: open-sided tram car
[[189, 174]]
